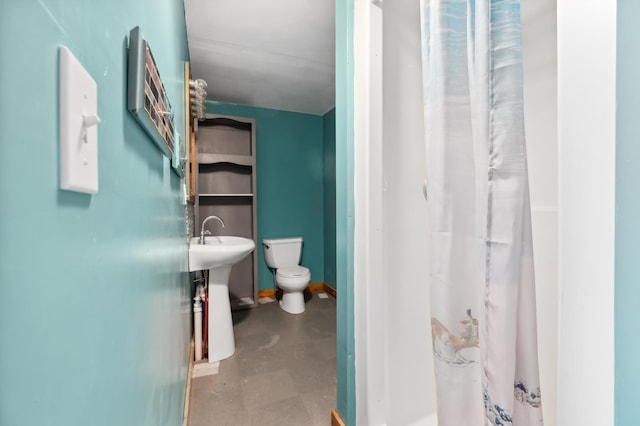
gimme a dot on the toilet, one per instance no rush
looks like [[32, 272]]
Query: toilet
[[283, 255]]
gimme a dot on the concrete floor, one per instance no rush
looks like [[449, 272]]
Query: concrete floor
[[282, 373]]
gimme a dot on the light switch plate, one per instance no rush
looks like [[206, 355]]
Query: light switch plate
[[78, 126]]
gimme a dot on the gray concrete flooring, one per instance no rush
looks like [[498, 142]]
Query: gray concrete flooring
[[282, 373]]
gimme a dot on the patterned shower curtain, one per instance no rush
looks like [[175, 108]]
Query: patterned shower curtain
[[481, 266]]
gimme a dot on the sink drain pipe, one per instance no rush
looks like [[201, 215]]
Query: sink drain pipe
[[197, 326], [197, 318], [205, 297]]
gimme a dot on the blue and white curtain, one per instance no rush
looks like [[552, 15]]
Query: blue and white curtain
[[481, 266]]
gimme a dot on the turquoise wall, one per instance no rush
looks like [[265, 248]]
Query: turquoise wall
[[627, 290], [94, 297], [344, 111], [329, 149], [290, 181]]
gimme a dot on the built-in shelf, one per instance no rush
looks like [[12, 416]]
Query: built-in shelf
[[226, 187], [225, 195], [241, 160]]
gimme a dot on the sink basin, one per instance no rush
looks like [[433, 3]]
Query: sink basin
[[218, 251]]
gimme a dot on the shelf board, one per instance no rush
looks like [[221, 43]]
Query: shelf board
[[241, 160], [225, 195]]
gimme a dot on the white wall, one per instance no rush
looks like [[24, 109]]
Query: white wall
[[586, 137], [410, 377], [394, 362], [540, 99], [370, 287]]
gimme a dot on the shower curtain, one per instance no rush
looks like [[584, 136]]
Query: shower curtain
[[481, 258]]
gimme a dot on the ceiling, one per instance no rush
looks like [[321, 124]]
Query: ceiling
[[274, 54]]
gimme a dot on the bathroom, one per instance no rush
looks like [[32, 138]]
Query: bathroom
[[278, 93], [100, 332]]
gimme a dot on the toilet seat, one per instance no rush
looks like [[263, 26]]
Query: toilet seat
[[292, 271]]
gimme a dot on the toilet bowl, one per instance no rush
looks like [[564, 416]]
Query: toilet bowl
[[293, 280], [283, 255]]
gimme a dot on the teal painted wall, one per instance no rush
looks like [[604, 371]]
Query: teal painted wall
[[94, 300], [627, 290], [345, 209], [290, 181], [329, 149]]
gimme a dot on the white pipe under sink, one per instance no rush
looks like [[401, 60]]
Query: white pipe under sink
[[197, 326]]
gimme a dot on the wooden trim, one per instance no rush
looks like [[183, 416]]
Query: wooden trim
[[336, 420], [192, 166], [187, 395], [189, 140], [330, 291], [267, 293], [314, 288]]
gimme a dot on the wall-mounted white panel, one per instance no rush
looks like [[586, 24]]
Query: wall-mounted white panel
[[411, 398], [539, 39], [587, 170], [370, 284], [78, 126]]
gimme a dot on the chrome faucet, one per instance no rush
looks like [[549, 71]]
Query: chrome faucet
[[204, 222]]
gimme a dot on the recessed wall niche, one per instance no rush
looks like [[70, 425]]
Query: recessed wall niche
[[226, 183]]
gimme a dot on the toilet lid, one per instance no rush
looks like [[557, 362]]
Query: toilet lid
[[292, 271]]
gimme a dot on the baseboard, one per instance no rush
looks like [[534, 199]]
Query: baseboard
[[330, 291], [267, 293], [314, 288], [336, 420], [187, 394]]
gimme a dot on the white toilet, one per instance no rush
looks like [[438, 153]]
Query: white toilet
[[284, 255]]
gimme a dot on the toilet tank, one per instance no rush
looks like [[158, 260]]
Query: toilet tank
[[281, 252]]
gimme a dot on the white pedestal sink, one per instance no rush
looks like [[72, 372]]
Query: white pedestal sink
[[218, 255]]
